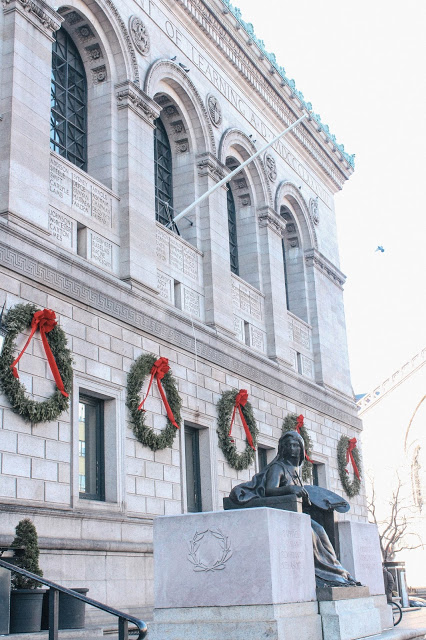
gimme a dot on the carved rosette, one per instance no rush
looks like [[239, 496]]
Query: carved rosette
[[129, 95], [139, 34], [313, 209], [270, 167], [214, 109]]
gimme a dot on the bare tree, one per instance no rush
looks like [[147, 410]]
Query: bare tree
[[396, 529]]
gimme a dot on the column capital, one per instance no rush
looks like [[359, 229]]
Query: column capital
[[268, 217], [130, 96], [42, 16], [209, 165]]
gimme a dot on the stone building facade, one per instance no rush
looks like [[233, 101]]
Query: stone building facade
[[152, 103]]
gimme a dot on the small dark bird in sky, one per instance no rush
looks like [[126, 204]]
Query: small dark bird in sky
[[380, 248]]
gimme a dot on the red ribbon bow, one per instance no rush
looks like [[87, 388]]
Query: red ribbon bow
[[158, 371], [299, 425], [349, 456], [240, 401], [45, 321]]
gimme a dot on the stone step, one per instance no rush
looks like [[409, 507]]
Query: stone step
[[89, 633]]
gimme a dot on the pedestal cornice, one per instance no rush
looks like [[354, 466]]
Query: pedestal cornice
[[38, 12], [268, 217], [318, 260], [209, 165], [130, 96]]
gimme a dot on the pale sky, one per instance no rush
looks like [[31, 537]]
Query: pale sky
[[362, 65]]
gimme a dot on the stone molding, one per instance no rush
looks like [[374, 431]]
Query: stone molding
[[233, 135], [126, 37], [209, 165], [38, 12], [40, 272], [130, 96], [287, 188], [180, 76], [316, 259], [267, 217], [209, 23]]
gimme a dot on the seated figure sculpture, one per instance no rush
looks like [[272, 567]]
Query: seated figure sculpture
[[282, 477]]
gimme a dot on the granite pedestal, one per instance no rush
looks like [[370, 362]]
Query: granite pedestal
[[235, 575]]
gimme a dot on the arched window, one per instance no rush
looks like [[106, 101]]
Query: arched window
[[294, 271], [163, 175], [68, 119], [232, 228]]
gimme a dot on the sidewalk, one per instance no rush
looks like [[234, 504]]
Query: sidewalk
[[413, 619]]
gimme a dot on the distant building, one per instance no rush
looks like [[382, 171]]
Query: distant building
[[394, 445], [149, 104]]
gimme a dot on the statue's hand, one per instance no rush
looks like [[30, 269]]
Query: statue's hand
[[300, 492]]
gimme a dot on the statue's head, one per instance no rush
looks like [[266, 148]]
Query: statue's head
[[291, 445]]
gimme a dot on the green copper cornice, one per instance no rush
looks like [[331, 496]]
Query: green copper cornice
[[249, 29]]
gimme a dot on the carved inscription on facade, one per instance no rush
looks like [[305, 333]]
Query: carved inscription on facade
[[239, 328], [247, 300], [101, 251], [81, 195], [291, 556], [60, 180], [191, 302], [176, 255], [299, 333], [164, 284], [257, 338], [190, 263], [60, 227], [101, 206], [307, 367], [162, 246]]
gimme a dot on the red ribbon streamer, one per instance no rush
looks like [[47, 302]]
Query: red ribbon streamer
[[158, 371], [349, 456], [240, 401], [45, 321], [299, 425]]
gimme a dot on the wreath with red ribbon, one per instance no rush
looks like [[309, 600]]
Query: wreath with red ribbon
[[293, 422], [347, 452], [229, 404], [159, 370], [58, 356]]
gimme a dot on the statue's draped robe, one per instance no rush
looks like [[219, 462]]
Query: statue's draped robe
[[328, 570]]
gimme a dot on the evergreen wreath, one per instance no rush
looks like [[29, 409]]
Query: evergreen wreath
[[225, 407], [17, 319], [139, 370], [351, 487], [289, 424]]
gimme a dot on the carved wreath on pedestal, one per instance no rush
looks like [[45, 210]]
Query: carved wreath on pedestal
[[195, 557], [140, 35], [17, 320]]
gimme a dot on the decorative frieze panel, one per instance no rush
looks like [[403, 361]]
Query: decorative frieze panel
[[75, 191], [178, 254], [299, 332], [247, 299]]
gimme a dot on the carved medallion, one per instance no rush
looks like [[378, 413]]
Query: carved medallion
[[214, 109], [313, 205], [271, 167], [209, 550], [139, 34]]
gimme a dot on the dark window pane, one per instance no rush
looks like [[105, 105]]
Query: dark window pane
[[163, 169], [315, 480], [68, 101], [262, 458], [193, 477], [232, 228], [91, 448]]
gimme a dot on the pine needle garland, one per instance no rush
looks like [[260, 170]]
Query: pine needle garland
[[17, 319], [289, 424], [225, 407], [351, 487], [139, 370]]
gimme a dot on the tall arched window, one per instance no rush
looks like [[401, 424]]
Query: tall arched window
[[294, 271], [163, 175], [68, 119], [232, 228]]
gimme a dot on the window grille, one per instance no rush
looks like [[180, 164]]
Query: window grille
[[164, 211], [68, 116], [232, 228]]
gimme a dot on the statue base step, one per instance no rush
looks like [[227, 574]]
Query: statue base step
[[349, 619], [275, 622]]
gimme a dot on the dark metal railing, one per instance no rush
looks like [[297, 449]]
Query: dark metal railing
[[123, 618]]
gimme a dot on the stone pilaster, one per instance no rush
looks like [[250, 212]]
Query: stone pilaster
[[28, 26], [137, 113], [324, 283], [271, 228], [214, 242]]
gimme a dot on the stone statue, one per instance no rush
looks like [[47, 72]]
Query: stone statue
[[281, 477]]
